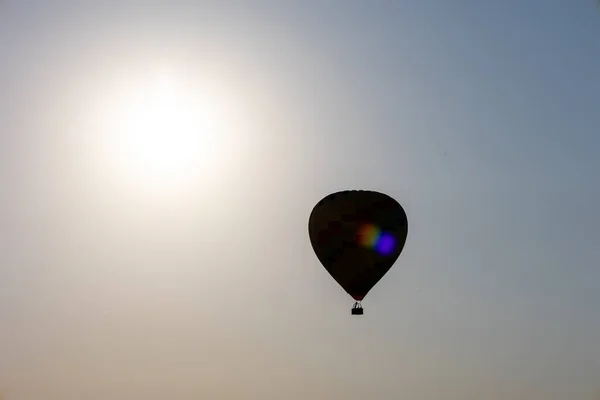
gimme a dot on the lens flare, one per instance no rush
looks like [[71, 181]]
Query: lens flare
[[372, 237]]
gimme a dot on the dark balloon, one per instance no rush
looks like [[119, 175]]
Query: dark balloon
[[358, 235]]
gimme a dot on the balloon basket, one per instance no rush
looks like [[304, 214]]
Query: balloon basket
[[357, 309]]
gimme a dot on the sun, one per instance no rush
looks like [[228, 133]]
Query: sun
[[162, 135]]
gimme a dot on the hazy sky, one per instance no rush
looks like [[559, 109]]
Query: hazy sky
[[481, 117]]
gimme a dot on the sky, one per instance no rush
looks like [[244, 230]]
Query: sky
[[480, 118]]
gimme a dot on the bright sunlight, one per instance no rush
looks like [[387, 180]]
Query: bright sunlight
[[163, 136]]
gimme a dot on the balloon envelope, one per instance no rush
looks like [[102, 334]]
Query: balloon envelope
[[357, 235]]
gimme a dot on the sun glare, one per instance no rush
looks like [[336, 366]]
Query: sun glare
[[163, 134], [161, 137]]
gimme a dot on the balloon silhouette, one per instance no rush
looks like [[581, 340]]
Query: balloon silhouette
[[357, 235]]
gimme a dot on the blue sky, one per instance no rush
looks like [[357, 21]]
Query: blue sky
[[481, 118]]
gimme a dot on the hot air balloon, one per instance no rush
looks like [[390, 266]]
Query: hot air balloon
[[357, 235]]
